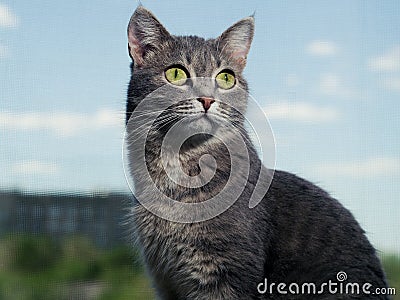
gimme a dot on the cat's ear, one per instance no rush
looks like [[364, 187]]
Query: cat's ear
[[236, 40], [145, 35]]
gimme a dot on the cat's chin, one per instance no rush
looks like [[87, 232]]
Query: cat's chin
[[200, 128], [199, 123]]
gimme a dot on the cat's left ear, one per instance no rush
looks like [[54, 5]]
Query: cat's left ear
[[236, 40]]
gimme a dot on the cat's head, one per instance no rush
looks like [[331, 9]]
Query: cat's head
[[203, 78]]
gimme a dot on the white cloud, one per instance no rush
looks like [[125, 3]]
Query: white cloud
[[332, 85], [7, 17], [34, 167], [301, 112], [372, 167], [392, 83], [61, 123], [322, 48], [389, 61]]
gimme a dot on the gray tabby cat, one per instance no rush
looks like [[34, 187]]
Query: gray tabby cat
[[297, 234]]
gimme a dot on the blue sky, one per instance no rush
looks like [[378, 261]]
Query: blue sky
[[327, 74]]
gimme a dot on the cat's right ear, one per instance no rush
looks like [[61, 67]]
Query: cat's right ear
[[236, 40], [145, 35]]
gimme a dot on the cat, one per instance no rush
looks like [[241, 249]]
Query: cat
[[297, 234]]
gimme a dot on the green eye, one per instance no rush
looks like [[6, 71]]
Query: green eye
[[225, 80], [176, 75]]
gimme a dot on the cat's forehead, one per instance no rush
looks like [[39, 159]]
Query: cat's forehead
[[198, 54]]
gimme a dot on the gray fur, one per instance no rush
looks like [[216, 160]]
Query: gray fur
[[298, 233]]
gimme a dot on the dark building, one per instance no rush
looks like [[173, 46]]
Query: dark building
[[100, 217]]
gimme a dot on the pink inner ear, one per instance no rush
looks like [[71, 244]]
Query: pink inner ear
[[136, 49], [240, 55]]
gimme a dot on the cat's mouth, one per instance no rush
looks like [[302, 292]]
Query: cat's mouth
[[203, 115]]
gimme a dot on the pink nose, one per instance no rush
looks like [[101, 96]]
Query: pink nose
[[206, 101]]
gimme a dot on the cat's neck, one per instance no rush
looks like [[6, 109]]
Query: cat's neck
[[209, 161], [188, 156], [173, 172]]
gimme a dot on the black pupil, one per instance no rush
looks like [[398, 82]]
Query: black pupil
[[226, 77], [176, 73]]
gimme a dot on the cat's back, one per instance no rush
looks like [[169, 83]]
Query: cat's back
[[315, 237]]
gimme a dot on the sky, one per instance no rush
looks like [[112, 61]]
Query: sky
[[327, 74]]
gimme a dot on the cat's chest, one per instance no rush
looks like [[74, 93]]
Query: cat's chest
[[173, 168], [154, 232], [176, 171], [181, 250]]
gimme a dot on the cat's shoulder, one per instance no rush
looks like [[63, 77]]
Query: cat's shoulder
[[291, 192], [290, 183]]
